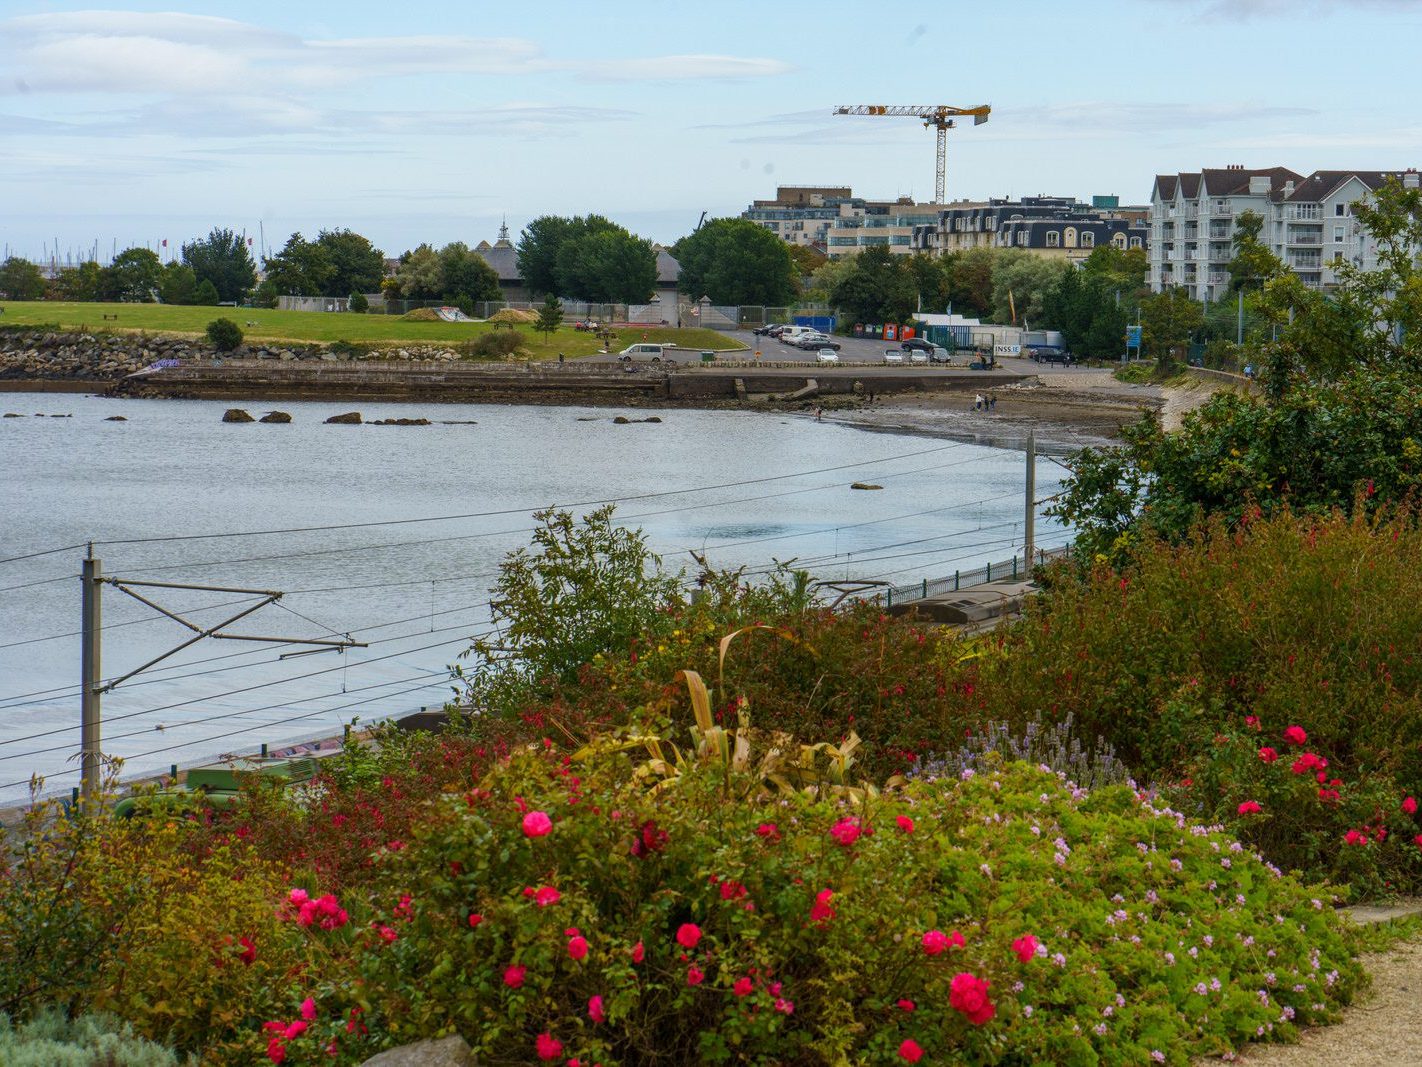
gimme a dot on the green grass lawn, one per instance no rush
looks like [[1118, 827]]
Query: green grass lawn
[[262, 325]]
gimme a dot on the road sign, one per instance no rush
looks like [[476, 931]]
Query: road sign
[[1133, 337]]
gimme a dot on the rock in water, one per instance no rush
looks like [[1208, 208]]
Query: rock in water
[[350, 418], [865, 485], [621, 420], [236, 415], [275, 416], [123, 418], [447, 1052]]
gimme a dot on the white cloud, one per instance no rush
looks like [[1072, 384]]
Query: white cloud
[[680, 68], [1246, 10]]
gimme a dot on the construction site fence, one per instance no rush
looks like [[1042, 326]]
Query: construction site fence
[[1014, 569]]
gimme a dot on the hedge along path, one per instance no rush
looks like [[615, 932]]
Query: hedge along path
[[1383, 1027]]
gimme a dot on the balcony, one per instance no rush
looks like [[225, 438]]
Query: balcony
[[1303, 211], [1305, 237], [1219, 277], [1219, 233]]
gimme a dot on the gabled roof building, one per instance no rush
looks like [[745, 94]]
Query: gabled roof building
[[1308, 223]]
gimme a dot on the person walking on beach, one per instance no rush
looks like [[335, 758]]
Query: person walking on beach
[[978, 402], [819, 414]]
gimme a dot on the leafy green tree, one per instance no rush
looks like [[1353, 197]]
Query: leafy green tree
[[207, 294], [465, 273], [550, 316], [538, 247], [736, 261], [21, 280], [358, 303], [222, 258], [826, 276], [970, 281], [1253, 264], [585, 587], [1023, 281], [357, 266], [878, 288], [607, 264], [1170, 320], [180, 284], [84, 282], [419, 274], [807, 260], [134, 276], [266, 295], [301, 268]]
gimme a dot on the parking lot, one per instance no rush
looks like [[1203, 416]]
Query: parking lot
[[862, 350]]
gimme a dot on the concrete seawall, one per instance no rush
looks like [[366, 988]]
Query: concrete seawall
[[582, 382]]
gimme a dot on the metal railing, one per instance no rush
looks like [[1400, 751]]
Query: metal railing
[[1014, 569]]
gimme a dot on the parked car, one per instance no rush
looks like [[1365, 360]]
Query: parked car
[[817, 341], [645, 353], [770, 329], [1053, 355], [918, 357], [893, 355], [827, 355], [917, 344], [939, 355]]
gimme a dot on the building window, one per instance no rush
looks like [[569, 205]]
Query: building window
[[1340, 210], [1119, 240], [1088, 239], [1338, 234], [1022, 238], [1054, 239], [1135, 242]]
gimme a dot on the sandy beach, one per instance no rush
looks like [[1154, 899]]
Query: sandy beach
[[1068, 409]]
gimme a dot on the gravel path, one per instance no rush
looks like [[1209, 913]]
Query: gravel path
[[1382, 1029]]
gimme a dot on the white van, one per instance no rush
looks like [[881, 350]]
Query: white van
[[792, 335], [645, 353]]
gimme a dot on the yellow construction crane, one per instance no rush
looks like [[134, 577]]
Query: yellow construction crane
[[938, 117]]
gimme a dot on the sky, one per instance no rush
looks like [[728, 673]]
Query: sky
[[435, 121]]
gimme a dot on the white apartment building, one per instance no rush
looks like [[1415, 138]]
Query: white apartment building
[[831, 219], [1308, 223]]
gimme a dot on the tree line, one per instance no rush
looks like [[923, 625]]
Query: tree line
[[215, 269]]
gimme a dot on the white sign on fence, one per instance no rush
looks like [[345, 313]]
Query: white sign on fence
[[1007, 350]]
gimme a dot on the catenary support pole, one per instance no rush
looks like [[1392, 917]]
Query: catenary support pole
[[1029, 534], [90, 695]]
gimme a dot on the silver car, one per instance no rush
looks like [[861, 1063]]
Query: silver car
[[827, 355]]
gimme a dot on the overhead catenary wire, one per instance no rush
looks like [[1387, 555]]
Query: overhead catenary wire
[[127, 622], [44, 552], [167, 538], [259, 726]]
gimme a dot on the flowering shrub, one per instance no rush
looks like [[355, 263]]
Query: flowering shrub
[[1003, 917]]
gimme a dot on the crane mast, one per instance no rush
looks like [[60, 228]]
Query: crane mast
[[940, 117]]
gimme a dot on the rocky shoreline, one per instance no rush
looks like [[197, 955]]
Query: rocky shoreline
[[50, 355]]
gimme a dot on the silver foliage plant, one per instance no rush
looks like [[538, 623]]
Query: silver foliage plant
[[1047, 744]]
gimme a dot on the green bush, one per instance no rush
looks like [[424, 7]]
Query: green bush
[[206, 293], [358, 303], [266, 295], [52, 1040], [224, 334], [499, 343], [707, 922], [1288, 621]]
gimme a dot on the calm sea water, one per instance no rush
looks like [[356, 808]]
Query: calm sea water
[[746, 488]]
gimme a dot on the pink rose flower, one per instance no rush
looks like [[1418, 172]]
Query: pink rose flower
[[905, 824], [548, 1046], [638, 952], [968, 994], [577, 948], [546, 896], [308, 1009], [846, 831], [1268, 755], [688, 935], [595, 1011], [1295, 735], [537, 824], [910, 1051], [475, 919], [936, 941], [907, 1005], [1025, 947], [820, 911], [1250, 807], [743, 987], [513, 977], [694, 975], [1409, 805]]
